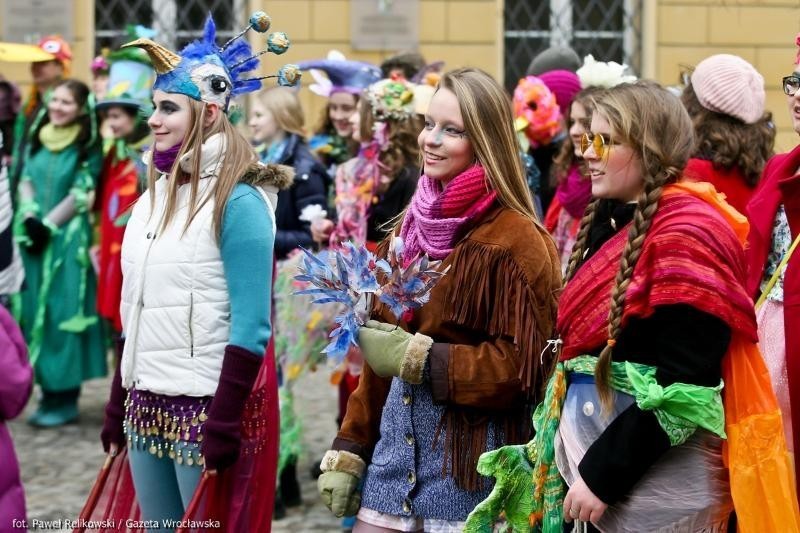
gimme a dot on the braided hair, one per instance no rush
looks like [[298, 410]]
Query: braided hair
[[655, 125]]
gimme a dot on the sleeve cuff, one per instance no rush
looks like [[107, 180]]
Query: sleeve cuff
[[440, 380], [623, 453], [416, 355], [349, 446], [593, 479], [342, 461]]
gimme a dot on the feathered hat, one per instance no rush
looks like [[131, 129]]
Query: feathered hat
[[343, 75], [209, 73]]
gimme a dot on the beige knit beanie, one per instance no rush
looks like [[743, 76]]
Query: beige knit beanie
[[730, 85]]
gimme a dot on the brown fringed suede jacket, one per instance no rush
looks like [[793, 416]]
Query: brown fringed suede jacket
[[489, 317]]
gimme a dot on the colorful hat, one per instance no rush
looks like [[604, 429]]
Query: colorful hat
[[536, 112], [564, 84], [131, 76], [205, 72], [59, 49], [99, 65], [392, 99], [343, 75], [23, 53], [605, 74], [130, 81], [728, 84]]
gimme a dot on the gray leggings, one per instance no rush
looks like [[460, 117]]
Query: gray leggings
[[164, 488]]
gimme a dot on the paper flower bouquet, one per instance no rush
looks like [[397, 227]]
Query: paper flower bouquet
[[350, 277]]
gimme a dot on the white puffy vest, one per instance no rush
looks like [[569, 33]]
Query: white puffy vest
[[175, 308], [175, 304]]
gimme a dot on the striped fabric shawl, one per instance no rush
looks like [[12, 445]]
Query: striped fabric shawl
[[693, 254]]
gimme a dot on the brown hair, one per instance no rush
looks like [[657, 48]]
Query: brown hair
[[239, 155], [325, 127], [727, 141], [654, 123], [283, 104], [80, 93], [566, 157], [402, 147]]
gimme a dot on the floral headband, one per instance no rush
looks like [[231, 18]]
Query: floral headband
[[391, 99]]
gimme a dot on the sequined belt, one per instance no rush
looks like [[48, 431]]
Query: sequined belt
[[166, 425]]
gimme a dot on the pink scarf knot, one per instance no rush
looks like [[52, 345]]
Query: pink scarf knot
[[437, 216]]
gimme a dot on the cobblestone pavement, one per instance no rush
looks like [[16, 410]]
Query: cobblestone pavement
[[59, 466]]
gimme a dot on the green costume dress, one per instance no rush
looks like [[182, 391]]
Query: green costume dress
[[57, 306]]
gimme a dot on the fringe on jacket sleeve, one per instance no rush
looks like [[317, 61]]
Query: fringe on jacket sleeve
[[491, 292]]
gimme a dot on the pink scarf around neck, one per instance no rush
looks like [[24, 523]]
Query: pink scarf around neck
[[437, 216]]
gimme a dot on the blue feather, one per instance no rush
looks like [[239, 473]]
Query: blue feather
[[241, 87], [210, 31], [238, 51]]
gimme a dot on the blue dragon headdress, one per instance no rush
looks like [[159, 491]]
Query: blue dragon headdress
[[204, 71]]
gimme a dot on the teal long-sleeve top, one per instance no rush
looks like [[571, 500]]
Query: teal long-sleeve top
[[247, 242]]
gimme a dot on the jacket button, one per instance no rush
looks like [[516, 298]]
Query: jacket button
[[412, 477], [149, 235], [406, 399], [406, 506], [409, 439]]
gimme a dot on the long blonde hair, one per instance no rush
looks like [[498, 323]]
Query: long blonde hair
[[489, 124], [654, 123], [239, 155], [283, 104]]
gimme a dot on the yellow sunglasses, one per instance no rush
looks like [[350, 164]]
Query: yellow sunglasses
[[598, 141]]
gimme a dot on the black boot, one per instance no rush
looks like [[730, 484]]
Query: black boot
[[279, 511], [289, 486], [315, 470]]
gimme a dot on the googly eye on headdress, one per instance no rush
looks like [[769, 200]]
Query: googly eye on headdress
[[209, 73]]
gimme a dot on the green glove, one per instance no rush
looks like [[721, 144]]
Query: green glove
[[512, 494], [338, 484], [339, 494], [391, 351]]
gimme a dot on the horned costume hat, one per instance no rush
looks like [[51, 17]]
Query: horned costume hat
[[209, 73]]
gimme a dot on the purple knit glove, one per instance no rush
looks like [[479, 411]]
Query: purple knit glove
[[222, 437], [115, 410]]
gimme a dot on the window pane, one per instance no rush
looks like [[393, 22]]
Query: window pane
[[598, 15], [527, 32], [112, 17]]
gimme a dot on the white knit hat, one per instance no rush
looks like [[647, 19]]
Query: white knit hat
[[730, 85]]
